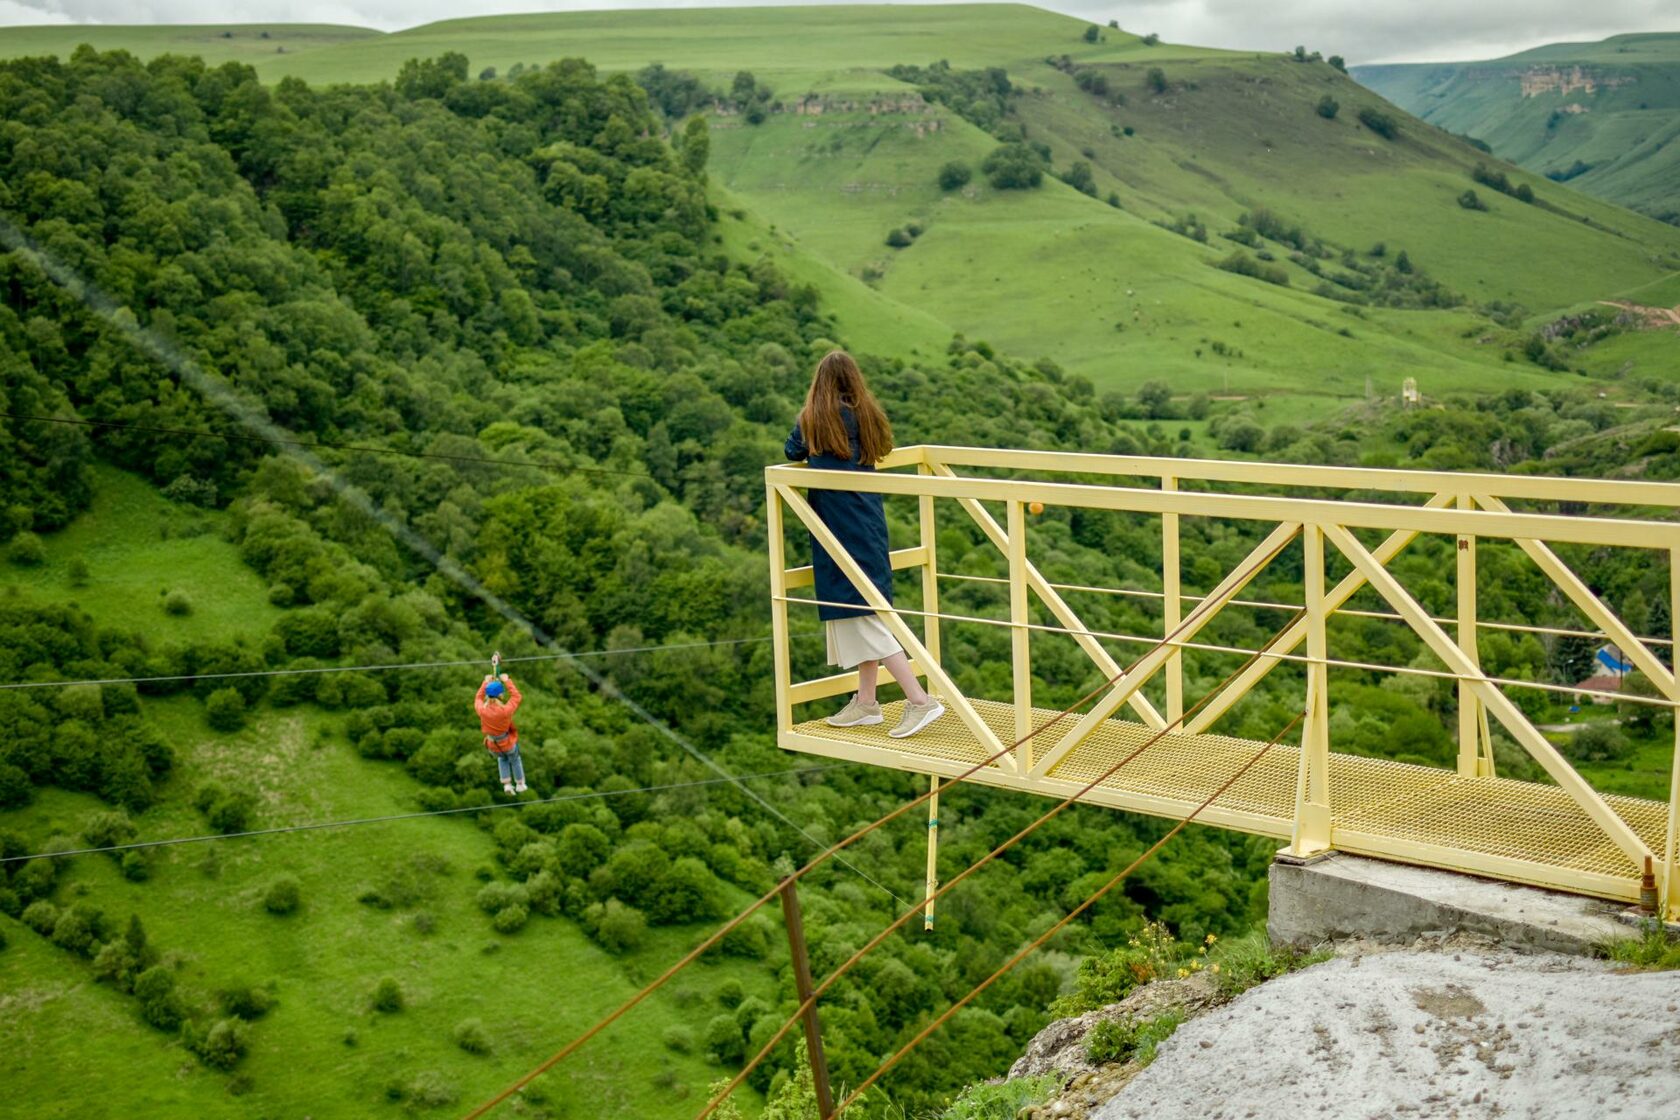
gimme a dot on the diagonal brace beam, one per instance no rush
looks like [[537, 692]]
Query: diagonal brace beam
[[1040, 586], [1590, 605], [1496, 702], [1296, 633], [941, 680], [1150, 663]]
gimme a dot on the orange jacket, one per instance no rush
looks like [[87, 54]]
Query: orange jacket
[[496, 718]]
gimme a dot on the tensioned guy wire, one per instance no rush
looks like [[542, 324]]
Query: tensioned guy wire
[[319, 825]]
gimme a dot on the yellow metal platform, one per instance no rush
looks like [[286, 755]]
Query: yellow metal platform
[[1518, 831]]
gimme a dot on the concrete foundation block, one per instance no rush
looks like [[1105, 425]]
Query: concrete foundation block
[[1346, 897]]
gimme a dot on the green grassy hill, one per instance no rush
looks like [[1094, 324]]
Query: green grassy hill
[[254, 43], [1107, 291], [1603, 116]]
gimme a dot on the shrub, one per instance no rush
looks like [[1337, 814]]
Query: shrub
[[1471, 201], [471, 1037], [687, 892], [493, 898], [283, 895], [387, 996], [1092, 33], [1599, 742], [955, 175], [1013, 167], [245, 1002], [26, 550], [177, 603], [1080, 178], [1242, 264], [899, 239], [225, 709], [136, 868], [619, 928], [1156, 80], [224, 810], [15, 787], [1380, 123], [511, 919], [159, 1005], [1523, 193], [1328, 107], [77, 571], [724, 1041], [78, 929], [1122, 1039], [108, 829], [1151, 39], [678, 1039], [221, 1046], [730, 993], [40, 916]]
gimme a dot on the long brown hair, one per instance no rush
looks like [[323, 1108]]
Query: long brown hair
[[839, 381]]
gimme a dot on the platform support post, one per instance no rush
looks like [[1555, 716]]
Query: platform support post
[[933, 852], [802, 989], [1020, 636], [779, 657], [1670, 907], [1473, 762], [1312, 779], [930, 572], [1172, 606]]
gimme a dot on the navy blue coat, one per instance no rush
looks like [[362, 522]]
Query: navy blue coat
[[858, 520]]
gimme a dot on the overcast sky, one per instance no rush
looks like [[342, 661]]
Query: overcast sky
[[1360, 30]]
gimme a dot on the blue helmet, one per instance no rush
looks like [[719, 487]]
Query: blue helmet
[[494, 690]]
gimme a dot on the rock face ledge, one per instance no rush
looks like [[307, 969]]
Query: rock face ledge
[[1425, 1033]]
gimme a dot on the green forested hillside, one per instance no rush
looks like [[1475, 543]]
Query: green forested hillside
[[542, 333], [854, 132], [1603, 117]]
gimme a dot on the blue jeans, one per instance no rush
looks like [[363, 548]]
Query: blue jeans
[[512, 767]]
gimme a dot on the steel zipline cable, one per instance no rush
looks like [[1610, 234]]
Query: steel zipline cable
[[570, 655], [832, 852], [326, 445], [351, 822]]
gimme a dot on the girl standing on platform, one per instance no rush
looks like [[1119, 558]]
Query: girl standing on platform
[[842, 428]]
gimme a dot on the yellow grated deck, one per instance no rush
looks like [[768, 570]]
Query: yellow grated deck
[[1522, 831]]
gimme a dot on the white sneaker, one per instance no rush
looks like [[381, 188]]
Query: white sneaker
[[519, 787], [507, 788], [855, 714], [916, 717]]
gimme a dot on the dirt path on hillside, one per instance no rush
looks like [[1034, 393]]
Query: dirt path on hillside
[[1424, 1034], [1652, 318]]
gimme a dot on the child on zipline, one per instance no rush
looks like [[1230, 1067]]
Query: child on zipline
[[498, 698], [842, 428]]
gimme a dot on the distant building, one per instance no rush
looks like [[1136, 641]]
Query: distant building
[[1601, 682], [1409, 395]]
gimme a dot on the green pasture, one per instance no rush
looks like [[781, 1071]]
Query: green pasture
[[202, 908], [255, 43], [137, 547]]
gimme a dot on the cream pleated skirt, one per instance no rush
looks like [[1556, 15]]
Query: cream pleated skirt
[[854, 640]]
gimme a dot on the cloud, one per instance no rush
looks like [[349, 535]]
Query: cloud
[[21, 12], [1359, 30]]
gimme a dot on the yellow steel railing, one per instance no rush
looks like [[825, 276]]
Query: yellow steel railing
[[1566, 836]]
